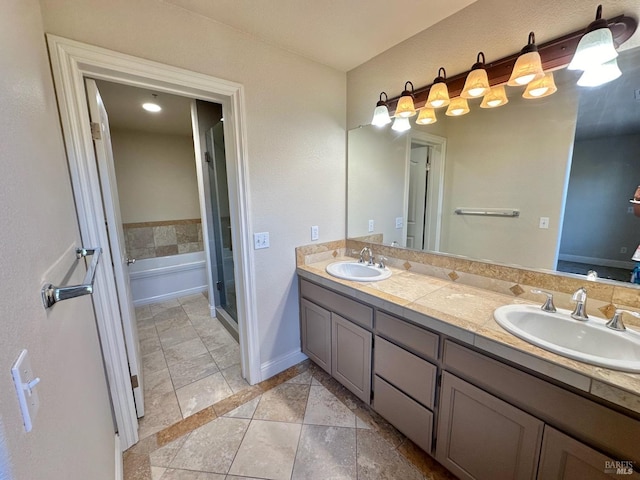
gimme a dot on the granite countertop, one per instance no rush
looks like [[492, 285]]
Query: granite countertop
[[466, 313]]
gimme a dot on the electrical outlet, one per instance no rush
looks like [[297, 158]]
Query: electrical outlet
[[623, 249], [629, 209], [371, 227], [544, 222], [260, 240], [315, 233], [399, 222]]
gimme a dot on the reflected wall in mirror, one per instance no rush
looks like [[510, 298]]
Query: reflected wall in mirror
[[568, 163]]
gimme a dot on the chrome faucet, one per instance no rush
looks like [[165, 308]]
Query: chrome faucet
[[368, 251], [616, 322], [580, 299], [548, 305]]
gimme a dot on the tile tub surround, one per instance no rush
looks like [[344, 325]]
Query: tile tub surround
[[457, 297], [160, 239], [300, 424]]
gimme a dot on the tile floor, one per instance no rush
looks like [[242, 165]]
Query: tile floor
[[189, 361], [204, 422]]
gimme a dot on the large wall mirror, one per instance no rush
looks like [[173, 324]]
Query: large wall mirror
[[566, 164]]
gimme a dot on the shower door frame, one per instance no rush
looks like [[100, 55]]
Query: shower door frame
[[71, 62]]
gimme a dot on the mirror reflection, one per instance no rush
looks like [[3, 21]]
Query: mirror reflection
[[541, 183]]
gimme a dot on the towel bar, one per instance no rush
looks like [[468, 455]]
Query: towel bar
[[497, 212], [52, 294]]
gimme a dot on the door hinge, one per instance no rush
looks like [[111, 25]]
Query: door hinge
[[207, 157], [134, 381], [95, 131], [219, 286]]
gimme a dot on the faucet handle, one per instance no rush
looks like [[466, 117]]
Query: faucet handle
[[382, 260], [548, 305], [580, 295], [580, 299], [616, 322]]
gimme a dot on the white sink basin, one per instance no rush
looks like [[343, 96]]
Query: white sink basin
[[358, 272], [589, 341]]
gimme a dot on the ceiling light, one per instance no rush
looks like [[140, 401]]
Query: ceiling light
[[495, 98], [401, 124], [477, 83], [600, 74], [596, 45], [405, 106], [381, 112], [457, 107], [542, 87], [528, 66], [439, 92], [426, 116], [152, 106]]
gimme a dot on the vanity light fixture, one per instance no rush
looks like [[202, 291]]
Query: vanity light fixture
[[458, 106], [528, 66], [596, 45], [401, 124], [405, 106], [439, 92], [600, 74], [152, 106], [495, 98], [477, 83], [381, 112], [542, 87], [426, 116]]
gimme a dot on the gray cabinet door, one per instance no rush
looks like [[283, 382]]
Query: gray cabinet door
[[351, 356], [482, 437], [315, 323], [564, 458]]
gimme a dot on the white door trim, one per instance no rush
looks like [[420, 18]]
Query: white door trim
[[71, 62]]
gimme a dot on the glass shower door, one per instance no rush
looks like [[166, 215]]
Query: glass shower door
[[224, 270]]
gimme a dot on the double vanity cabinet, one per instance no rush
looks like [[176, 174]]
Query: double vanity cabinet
[[479, 416]]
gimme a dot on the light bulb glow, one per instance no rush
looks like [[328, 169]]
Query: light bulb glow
[[600, 74], [152, 107], [401, 124]]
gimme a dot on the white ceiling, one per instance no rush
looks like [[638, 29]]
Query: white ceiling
[[339, 33]]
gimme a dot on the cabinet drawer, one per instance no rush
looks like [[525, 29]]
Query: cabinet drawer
[[421, 341], [408, 416], [345, 307], [411, 374]]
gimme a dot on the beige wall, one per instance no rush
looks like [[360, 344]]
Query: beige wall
[[73, 434], [295, 132], [156, 175]]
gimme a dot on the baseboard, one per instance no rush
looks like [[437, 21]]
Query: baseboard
[[170, 296], [604, 262], [281, 363], [119, 466]]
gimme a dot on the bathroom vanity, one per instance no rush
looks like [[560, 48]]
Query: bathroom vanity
[[433, 363]]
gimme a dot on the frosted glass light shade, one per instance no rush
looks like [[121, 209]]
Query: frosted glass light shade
[[600, 74], [152, 107], [381, 116], [595, 48], [438, 95], [542, 87], [528, 67], [457, 107], [405, 107], [476, 85], [495, 98], [401, 124], [426, 116]]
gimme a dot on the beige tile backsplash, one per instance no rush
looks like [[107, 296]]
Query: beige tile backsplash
[[160, 239]]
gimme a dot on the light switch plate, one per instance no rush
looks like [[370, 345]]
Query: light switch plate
[[315, 234], [544, 222], [399, 222], [25, 382], [371, 226], [261, 240]]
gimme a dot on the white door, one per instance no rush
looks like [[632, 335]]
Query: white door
[[418, 176], [104, 157]]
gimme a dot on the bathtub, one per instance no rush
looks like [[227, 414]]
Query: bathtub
[[165, 278]]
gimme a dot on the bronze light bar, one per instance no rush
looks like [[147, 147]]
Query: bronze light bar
[[555, 54]]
